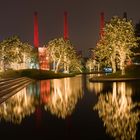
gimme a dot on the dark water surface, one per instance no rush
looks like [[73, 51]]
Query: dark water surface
[[73, 108]]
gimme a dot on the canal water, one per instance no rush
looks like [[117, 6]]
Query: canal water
[[73, 108]]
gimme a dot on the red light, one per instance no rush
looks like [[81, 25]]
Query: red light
[[65, 25], [36, 39]]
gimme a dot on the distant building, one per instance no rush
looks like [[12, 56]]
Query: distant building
[[42, 51], [44, 63]]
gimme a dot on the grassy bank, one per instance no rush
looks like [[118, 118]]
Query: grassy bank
[[34, 74], [132, 73]]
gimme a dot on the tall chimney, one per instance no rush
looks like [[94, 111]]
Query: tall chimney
[[101, 24], [65, 25], [36, 38]]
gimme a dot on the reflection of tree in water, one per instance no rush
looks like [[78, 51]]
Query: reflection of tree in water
[[17, 107], [64, 96], [97, 87], [93, 86], [118, 112]]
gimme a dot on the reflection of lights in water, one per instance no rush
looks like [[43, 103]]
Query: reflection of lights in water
[[17, 107], [97, 87], [92, 86], [64, 96], [118, 112], [45, 90], [122, 97]]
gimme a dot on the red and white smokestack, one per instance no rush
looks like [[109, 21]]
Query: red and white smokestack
[[65, 25], [36, 38], [101, 24]]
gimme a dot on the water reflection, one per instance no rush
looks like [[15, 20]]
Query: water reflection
[[94, 87], [45, 86], [59, 96], [118, 112], [64, 96], [17, 107]]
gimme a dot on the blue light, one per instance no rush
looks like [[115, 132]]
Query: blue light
[[108, 69]]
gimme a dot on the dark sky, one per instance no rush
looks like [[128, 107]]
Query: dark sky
[[16, 18]]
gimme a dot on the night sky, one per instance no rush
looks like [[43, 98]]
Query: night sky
[[16, 18]]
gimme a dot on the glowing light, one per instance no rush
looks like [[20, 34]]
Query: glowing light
[[97, 87], [65, 25], [64, 96], [43, 58], [17, 107], [118, 113], [45, 91], [36, 38]]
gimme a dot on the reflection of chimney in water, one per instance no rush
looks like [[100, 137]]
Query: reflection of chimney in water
[[38, 116]]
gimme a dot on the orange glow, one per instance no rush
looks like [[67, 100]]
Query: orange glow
[[45, 90], [64, 96], [43, 59], [97, 87], [17, 107], [117, 110]]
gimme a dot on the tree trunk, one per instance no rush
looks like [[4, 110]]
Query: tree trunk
[[2, 65], [79, 69], [57, 65], [53, 65], [65, 68], [98, 67], [113, 64], [65, 65], [122, 61], [122, 66], [90, 67], [123, 71], [68, 69]]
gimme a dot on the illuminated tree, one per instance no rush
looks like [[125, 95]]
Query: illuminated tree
[[62, 55], [114, 48], [12, 50], [56, 49], [71, 61], [136, 57], [75, 65], [90, 64]]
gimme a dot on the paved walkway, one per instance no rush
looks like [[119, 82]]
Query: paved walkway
[[9, 87]]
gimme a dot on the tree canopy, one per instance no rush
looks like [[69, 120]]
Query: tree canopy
[[63, 55], [13, 49], [114, 47]]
